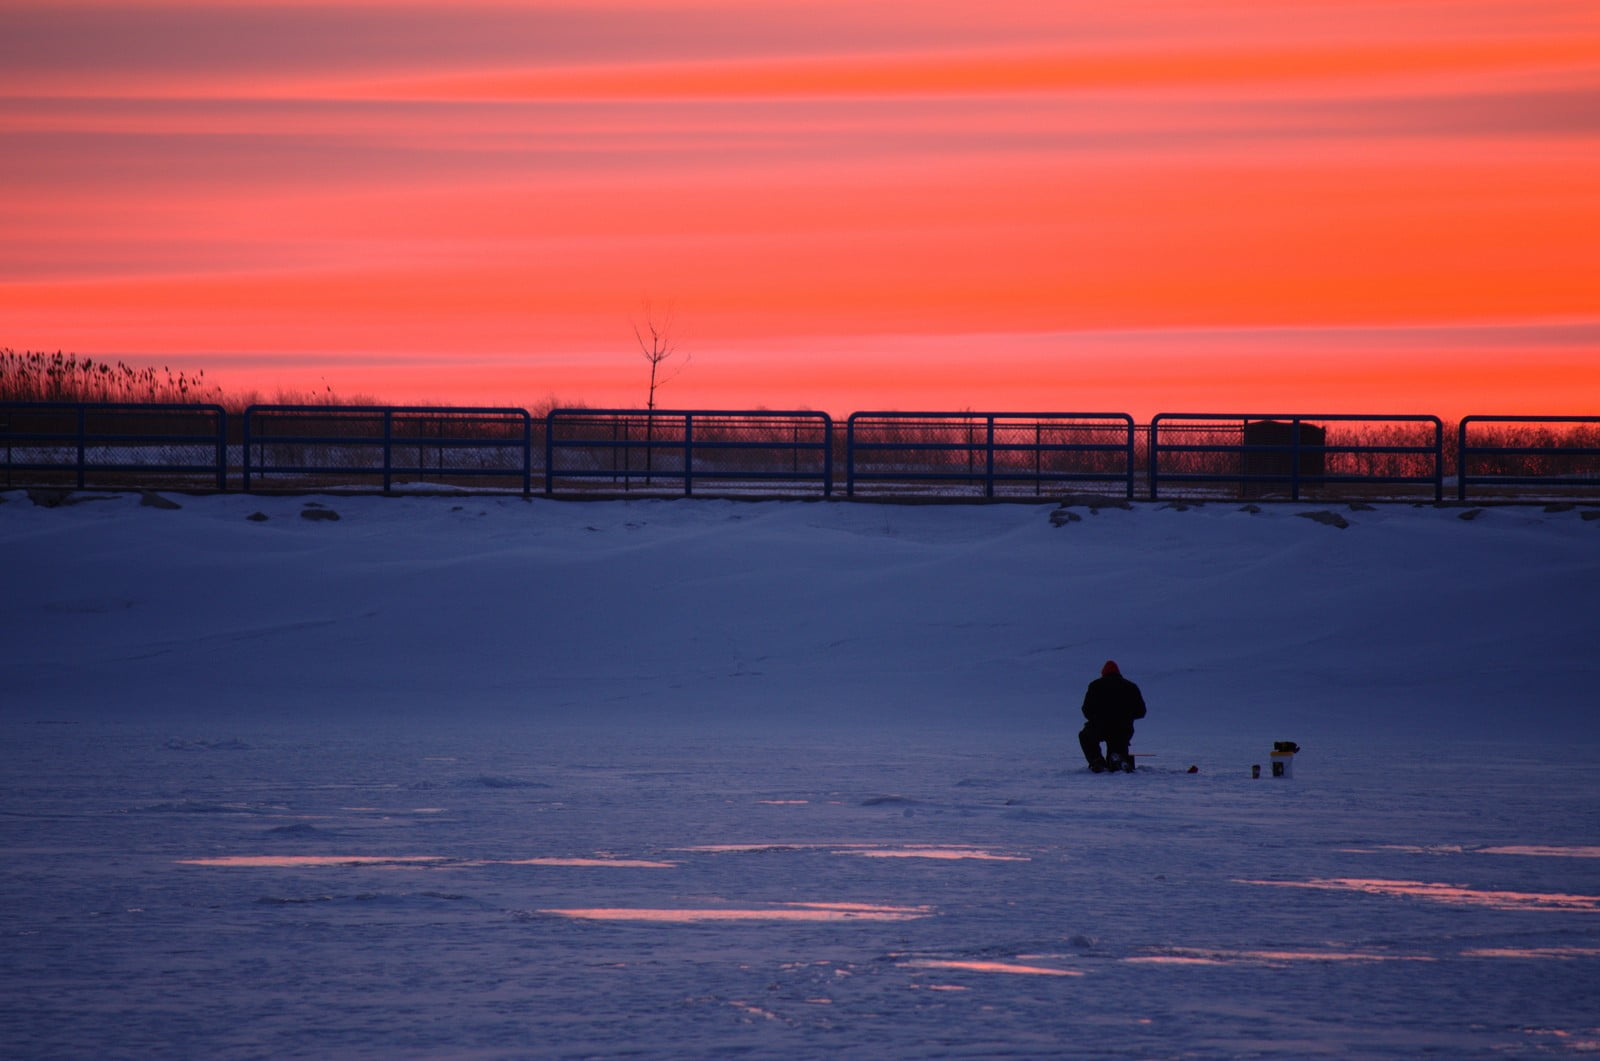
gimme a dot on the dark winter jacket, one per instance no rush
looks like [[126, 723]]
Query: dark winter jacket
[[1112, 703]]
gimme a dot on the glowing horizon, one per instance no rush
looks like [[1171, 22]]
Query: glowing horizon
[[1313, 207]]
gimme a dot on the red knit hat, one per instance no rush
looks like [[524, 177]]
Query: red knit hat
[[1110, 668]]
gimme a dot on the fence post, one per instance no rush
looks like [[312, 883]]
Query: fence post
[[1155, 447], [244, 440], [1132, 457], [549, 453], [83, 418], [1039, 458], [1438, 460], [827, 455], [688, 454], [1461, 460], [1294, 456], [988, 490], [388, 447], [850, 456], [222, 450], [527, 453]]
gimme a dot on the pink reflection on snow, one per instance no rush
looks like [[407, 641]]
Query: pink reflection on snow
[[303, 861], [986, 967], [948, 852], [1531, 850], [1407, 849], [1532, 952], [1455, 894], [617, 863], [775, 912], [297, 861]]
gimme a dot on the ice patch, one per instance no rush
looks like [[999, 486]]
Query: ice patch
[[985, 967], [611, 863], [944, 852], [303, 861], [1530, 850], [1454, 894], [297, 829], [200, 806], [1210, 956], [495, 781], [775, 912], [317, 861], [1532, 952]]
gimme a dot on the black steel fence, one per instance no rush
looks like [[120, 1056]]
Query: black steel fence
[[1517, 456], [628, 451], [936, 455], [986, 454], [83, 444], [1254, 456], [324, 446]]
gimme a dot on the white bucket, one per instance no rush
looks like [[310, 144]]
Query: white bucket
[[1283, 764]]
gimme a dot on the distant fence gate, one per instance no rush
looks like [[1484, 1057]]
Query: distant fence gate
[[1523, 454], [670, 451], [356, 444], [992, 454], [114, 444], [1278, 456]]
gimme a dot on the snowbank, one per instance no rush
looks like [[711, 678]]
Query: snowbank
[[1409, 623]]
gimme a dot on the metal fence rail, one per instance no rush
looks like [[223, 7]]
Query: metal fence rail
[[592, 452], [358, 444], [1265, 456], [1001, 454], [1520, 454], [670, 451], [114, 444]]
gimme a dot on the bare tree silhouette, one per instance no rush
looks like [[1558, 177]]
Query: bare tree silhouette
[[659, 345]]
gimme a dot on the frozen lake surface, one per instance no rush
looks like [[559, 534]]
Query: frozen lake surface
[[463, 778]]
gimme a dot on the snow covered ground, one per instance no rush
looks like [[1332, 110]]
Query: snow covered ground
[[486, 777]]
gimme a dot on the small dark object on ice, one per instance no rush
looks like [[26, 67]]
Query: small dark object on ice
[[1332, 519], [1193, 770]]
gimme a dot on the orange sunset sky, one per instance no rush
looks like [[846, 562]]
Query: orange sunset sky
[[1140, 206]]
